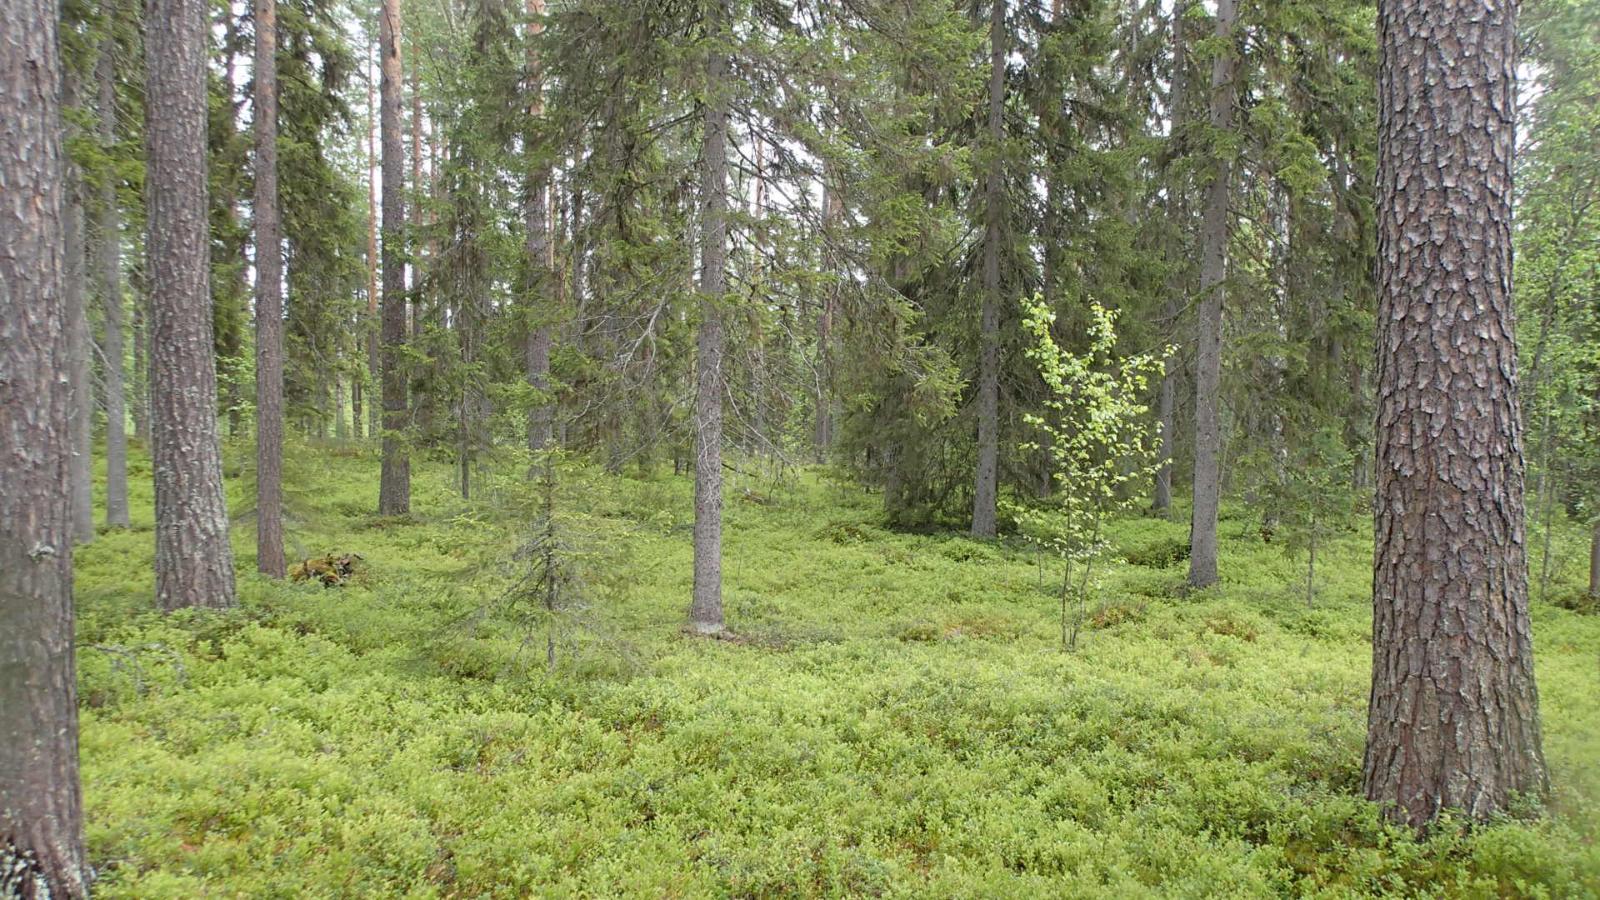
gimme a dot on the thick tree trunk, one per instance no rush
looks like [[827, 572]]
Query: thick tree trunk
[[194, 562], [269, 300], [986, 487], [41, 808], [78, 339], [705, 613], [394, 492], [1208, 347], [536, 215], [1454, 717], [109, 266]]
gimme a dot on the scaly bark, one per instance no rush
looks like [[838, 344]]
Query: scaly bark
[[1454, 714], [705, 613], [269, 300], [986, 487], [194, 561], [394, 491], [1208, 345], [41, 808]]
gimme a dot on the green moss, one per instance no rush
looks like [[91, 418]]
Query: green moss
[[895, 719]]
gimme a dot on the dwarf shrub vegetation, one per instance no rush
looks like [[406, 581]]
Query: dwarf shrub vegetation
[[895, 717]]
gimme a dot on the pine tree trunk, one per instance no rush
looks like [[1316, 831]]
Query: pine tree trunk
[[394, 492], [41, 808], [1208, 349], [986, 488], [1453, 721], [269, 300], [109, 265], [194, 562], [78, 368], [705, 614]]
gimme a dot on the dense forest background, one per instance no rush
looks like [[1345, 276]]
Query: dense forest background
[[941, 325], [900, 178]]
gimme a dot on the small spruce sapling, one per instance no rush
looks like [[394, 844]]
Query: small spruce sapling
[[1314, 498], [1100, 439]]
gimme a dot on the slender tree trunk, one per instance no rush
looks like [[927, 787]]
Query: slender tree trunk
[[78, 368], [1166, 412], [1454, 717], [41, 808], [1167, 393], [394, 492], [269, 300], [341, 433], [705, 614], [986, 489], [374, 363], [427, 306], [832, 215], [357, 411], [139, 283], [1208, 349], [536, 214], [110, 271], [1594, 561], [194, 561]]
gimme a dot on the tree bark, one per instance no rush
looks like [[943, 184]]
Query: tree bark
[[374, 363], [109, 230], [705, 613], [269, 300], [194, 562], [1594, 562], [1177, 281], [139, 409], [1166, 413], [986, 488], [41, 808], [1208, 349], [1453, 720], [78, 368], [536, 215], [832, 215], [394, 492]]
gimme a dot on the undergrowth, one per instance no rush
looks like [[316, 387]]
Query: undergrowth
[[895, 717]]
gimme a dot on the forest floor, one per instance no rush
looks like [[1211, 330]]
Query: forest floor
[[895, 716]]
